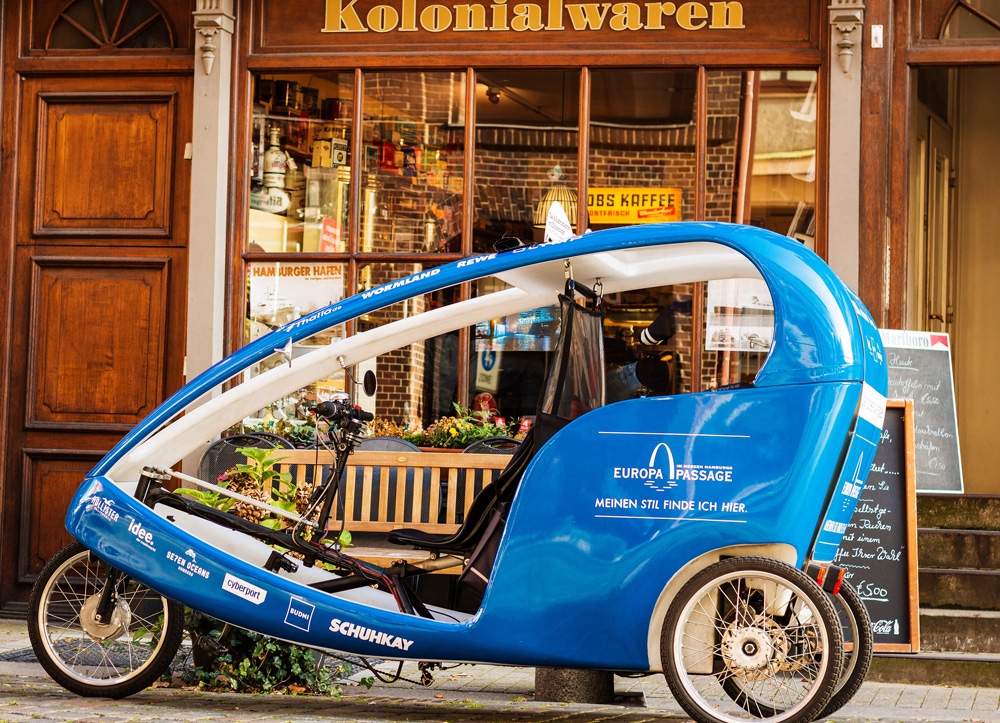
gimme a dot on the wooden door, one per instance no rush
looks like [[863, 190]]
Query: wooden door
[[938, 295], [100, 264]]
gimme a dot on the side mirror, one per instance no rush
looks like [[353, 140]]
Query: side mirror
[[369, 383]]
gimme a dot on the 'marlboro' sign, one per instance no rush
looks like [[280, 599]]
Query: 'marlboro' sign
[[345, 16]]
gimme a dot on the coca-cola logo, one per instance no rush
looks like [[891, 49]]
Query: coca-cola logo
[[885, 627]]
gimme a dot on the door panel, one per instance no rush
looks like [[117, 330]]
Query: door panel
[[49, 476], [101, 159], [98, 335], [98, 291], [104, 164]]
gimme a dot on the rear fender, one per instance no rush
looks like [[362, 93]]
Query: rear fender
[[777, 551]]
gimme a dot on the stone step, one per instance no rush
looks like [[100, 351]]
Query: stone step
[[967, 670], [958, 549], [960, 631], [959, 589], [959, 512]]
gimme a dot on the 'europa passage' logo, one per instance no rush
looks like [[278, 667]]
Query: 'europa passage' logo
[[662, 473], [658, 474]]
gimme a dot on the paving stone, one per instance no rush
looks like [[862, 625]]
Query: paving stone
[[936, 698], [986, 699], [912, 696], [886, 696], [962, 699]]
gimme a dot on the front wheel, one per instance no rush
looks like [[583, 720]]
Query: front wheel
[[750, 638], [113, 658]]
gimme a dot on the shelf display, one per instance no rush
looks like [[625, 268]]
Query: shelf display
[[300, 164], [411, 165]]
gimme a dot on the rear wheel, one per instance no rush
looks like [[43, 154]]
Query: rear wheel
[[112, 658], [749, 638], [859, 642]]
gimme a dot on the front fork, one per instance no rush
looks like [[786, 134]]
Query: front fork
[[116, 580]]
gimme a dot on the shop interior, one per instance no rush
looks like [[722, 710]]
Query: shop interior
[[415, 201]]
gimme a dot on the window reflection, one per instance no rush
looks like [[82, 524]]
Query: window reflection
[[527, 143], [412, 169]]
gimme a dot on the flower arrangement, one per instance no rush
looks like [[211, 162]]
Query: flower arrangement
[[460, 430]]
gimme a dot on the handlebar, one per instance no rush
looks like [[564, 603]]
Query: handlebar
[[342, 412]]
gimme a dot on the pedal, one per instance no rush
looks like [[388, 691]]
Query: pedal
[[211, 645]]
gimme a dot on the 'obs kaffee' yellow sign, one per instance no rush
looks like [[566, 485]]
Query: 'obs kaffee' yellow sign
[[633, 205]]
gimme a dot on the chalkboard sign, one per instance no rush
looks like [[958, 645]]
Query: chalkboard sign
[[879, 549], [920, 369]]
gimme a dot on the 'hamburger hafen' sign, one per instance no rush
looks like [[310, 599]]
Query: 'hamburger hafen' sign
[[343, 17]]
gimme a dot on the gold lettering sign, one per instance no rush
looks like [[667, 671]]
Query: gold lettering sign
[[501, 15], [633, 205]]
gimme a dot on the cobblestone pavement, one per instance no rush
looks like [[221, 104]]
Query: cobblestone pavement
[[467, 694]]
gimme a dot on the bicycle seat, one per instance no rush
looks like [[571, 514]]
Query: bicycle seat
[[497, 492]]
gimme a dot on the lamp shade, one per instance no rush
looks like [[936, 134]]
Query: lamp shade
[[560, 192]]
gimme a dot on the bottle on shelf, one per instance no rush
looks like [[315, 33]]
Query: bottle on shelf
[[276, 163]]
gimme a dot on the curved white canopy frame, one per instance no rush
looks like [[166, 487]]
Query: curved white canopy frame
[[533, 286]]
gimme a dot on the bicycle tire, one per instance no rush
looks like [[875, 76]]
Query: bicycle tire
[[114, 659]]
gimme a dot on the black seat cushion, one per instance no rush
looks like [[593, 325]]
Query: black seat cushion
[[477, 516]]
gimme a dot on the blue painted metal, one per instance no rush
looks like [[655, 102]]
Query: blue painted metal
[[609, 509]]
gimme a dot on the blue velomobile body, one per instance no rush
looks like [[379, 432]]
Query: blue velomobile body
[[614, 513]]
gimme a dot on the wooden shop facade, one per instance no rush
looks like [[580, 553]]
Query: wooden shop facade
[[178, 178]]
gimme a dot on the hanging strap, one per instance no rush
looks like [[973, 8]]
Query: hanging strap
[[594, 296]]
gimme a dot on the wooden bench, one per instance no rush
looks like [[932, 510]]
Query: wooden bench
[[384, 491]]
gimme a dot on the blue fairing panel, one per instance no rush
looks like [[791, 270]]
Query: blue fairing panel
[[607, 512], [860, 452], [604, 518]]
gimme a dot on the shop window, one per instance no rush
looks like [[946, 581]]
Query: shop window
[[642, 166], [527, 140], [111, 24], [412, 171], [642, 158], [300, 162], [418, 383], [782, 173], [277, 294]]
